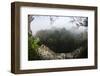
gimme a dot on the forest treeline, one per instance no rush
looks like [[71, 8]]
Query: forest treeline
[[59, 41]]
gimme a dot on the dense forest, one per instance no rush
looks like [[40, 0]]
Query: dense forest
[[61, 40]]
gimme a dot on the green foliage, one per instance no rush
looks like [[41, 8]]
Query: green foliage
[[33, 44]]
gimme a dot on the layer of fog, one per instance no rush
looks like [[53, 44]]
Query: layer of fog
[[44, 23]]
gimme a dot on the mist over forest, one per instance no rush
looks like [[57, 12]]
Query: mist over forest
[[54, 36], [61, 40]]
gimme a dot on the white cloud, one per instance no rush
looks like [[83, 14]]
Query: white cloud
[[43, 22]]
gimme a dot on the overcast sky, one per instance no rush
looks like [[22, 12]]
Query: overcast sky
[[43, 22]]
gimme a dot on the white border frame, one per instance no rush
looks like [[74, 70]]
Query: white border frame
[[25, 64]]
